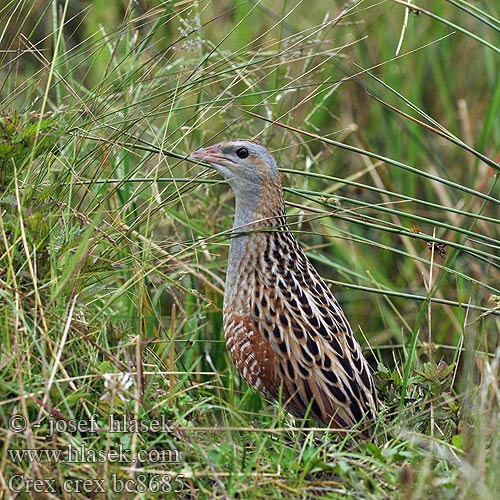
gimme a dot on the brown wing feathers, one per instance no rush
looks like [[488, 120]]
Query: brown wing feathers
[[316, 355]]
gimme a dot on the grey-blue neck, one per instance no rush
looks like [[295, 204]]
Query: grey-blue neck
[[245, 221], [255, 211], [246, 211]]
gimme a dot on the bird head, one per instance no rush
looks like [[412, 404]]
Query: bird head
[[246, 165]]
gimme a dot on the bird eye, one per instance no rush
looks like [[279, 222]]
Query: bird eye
[[242, 153]]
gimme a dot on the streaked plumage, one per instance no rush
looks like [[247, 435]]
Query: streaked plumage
[[282, 324]]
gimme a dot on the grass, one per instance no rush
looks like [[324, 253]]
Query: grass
[[113, 246]]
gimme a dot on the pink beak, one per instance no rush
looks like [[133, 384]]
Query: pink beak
[[212, 154]]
